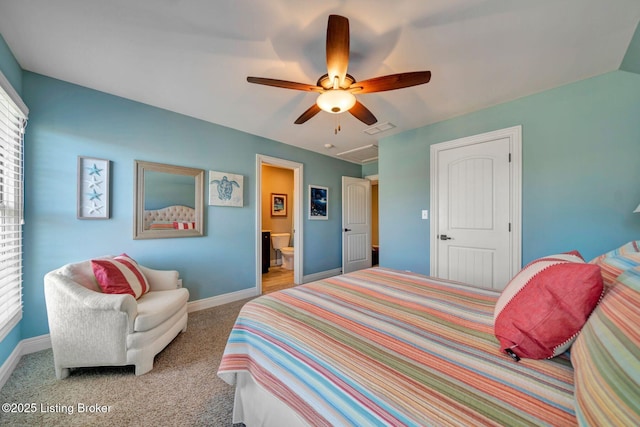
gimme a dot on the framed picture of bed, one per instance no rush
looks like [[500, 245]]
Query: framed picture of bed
[[93, 188], [318, 202], [278, 204]]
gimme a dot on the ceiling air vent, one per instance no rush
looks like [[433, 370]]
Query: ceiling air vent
[[380, 127], [365, 154]]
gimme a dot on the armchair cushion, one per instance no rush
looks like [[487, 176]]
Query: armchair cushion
[[156, 307], [160, 280], [120, 275]]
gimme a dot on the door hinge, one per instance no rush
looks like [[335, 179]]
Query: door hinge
[[509, 157], [509, 227]]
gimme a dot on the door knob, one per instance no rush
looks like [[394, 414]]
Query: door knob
[[347, 229], [445, 237]]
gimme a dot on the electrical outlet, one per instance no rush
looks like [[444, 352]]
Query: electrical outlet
[[425, 214]]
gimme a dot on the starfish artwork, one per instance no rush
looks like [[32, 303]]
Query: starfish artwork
[[93, 188], [94, 195], [94, 170], [94, 182], [94, 208]]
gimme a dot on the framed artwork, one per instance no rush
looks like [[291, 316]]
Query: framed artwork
[[93, 188], [278, 204], [318, 202], [225, 189]]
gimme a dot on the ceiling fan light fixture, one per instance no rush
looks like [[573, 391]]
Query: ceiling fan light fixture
[[336, 101]]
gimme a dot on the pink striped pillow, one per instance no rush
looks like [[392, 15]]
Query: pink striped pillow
[[545, 305], [184, 225], [120, 275]]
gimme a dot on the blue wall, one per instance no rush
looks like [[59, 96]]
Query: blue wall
[[631, 60], [370, 169], [581, 148], [10, 67]]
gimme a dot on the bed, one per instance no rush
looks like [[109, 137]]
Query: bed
[[384, 347], [175, 217]]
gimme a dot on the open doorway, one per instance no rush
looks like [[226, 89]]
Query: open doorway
[[279, 199], [375, 245]]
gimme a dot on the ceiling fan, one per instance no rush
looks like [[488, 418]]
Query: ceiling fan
[[337, 87]]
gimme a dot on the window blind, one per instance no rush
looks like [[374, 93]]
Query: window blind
[[13, 120]]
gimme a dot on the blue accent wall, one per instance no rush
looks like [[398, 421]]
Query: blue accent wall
[[370, 169], [581, 147], [10, 67]]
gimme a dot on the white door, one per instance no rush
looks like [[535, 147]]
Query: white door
[[356, 224], [474, 231]]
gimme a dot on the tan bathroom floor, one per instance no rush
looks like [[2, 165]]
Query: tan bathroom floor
[[277, 279]]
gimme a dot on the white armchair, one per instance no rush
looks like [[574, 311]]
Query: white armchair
[[91, 328]]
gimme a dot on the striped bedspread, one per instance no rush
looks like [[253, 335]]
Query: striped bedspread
[[383, 347]]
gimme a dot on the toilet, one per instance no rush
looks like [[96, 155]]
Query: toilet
[[287, 257], [280, 241]]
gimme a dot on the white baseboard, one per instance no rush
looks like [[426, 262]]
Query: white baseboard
[[26, 346], [10, 364], [205, 303], [321, 275], [32, 345]]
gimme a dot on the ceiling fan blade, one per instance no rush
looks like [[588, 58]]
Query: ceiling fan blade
[[311, 111], [337, 48], [391, 82], [284, 84], [363, 114]]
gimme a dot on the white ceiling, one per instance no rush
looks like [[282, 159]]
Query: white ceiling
[[193, 56]]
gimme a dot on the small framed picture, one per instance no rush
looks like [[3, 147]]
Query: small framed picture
[[93, 188], [278, 204], [225, 189], [318, 202]]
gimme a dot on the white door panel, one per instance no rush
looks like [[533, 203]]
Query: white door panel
[[356, 224], [475, 204]]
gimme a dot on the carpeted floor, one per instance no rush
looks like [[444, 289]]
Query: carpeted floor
[[181, 390]]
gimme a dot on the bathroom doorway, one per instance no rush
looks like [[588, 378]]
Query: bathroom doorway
[[375, 242], [279, 212]]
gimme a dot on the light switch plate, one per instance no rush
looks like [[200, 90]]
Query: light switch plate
[[425, 214]]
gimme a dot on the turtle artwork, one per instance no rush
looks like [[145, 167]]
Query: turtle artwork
[[225, 189]]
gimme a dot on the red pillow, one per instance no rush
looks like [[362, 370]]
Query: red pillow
[[120, 275], [545, 305], [184, 225]]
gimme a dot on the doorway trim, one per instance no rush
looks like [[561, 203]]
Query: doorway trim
[[298, 200], [514, 134]]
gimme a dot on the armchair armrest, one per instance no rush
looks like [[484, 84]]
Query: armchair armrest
[[85, 324], [160, 280], [63, 293]]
